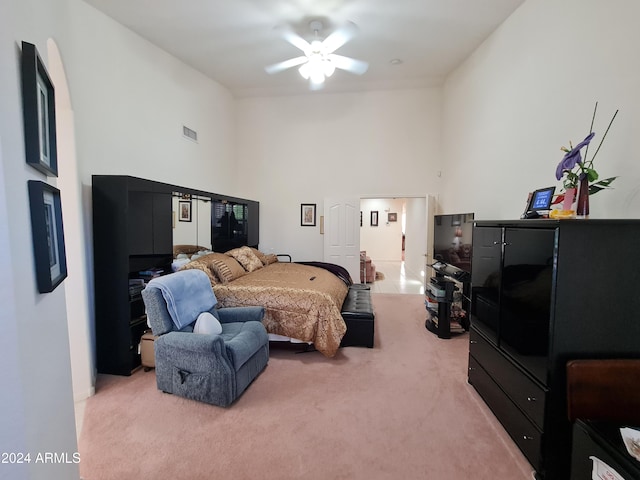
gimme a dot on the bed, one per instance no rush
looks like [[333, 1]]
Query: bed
[[302, 301]]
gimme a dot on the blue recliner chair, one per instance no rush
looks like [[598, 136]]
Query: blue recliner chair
[[217, 367]]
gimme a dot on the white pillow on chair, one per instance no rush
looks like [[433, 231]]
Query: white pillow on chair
[[207, 324]]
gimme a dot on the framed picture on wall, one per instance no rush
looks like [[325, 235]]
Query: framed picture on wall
[[374, 218], [184, 207], [392, 217], [48, 235], [308, 214], [39, 117]]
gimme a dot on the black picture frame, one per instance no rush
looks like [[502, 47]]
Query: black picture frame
[[48, 235], [307, 214], [374, 218], [39, 113], [392, 217], [184, 207]]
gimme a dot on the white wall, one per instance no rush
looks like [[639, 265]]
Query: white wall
[[131, 100], [530, 89], [301, 149], [382, 242], [36, 399]]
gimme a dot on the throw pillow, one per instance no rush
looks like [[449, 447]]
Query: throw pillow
[[246, 258], [227, 269], [207, 324], [270, 258]]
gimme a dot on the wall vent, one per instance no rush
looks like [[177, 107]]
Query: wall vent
[[190, 134]]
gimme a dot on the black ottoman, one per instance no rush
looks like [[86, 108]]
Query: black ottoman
[[357, 312]]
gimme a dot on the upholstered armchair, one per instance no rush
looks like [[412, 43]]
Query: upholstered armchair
[[203, 353]]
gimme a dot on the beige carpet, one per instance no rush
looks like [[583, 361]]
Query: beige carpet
[[402, 410]]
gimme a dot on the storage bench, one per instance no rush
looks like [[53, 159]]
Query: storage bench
[[357, 312]]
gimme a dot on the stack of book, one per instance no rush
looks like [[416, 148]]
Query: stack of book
[[136, 285], [147, 275]]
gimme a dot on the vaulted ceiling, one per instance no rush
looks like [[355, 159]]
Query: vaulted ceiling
[[407, 43]]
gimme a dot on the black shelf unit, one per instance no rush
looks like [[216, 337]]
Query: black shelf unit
[[133, 232], [544, 292], [447, 280]]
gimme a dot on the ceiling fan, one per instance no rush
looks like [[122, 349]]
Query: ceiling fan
[[319, 61]]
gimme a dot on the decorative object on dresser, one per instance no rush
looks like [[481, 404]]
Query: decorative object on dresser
[[544, 293], [579, 174]]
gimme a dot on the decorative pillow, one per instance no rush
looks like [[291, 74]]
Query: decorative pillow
[[203, 264], [258, 254], [270, 258], [207, 324], [227, 269], [246, 258]]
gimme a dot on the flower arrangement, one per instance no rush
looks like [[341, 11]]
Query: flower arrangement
[[574, 169]]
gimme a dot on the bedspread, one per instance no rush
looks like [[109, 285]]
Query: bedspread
[[301, 302]]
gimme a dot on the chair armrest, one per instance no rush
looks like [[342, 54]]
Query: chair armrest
[[193, 342], [240, 314]]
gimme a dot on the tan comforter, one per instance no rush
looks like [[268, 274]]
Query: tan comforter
[[301, 302]]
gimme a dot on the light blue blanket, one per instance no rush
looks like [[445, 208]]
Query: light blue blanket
[[188, 293]]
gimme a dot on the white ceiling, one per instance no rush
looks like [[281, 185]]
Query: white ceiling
[[231, 41]]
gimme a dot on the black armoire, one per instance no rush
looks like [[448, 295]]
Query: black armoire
[[544, 292]]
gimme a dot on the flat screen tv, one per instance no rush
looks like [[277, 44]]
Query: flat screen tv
[[452, 240]]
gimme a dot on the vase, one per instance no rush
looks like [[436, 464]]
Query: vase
[[569, 197], [582, 209]]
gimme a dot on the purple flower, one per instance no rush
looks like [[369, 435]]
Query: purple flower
[[572, 157]]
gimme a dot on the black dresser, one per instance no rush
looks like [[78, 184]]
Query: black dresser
[[544, 292]]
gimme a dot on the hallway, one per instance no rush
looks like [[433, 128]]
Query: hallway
[[397, 279]]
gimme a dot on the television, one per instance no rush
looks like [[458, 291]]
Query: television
[[452, 244]]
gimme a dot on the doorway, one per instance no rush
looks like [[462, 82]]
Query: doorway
[[393, 235]]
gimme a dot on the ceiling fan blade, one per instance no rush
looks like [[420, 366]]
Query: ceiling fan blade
[[339, 37], [280, 66], [349, 64], [294, 39]]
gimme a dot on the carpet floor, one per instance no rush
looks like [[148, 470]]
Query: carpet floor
[[402, 410]]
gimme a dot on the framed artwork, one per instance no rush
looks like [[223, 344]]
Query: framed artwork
[[374, 218], [39, 114], [184, 207], [308, 214], [392, 217], [48, 235]]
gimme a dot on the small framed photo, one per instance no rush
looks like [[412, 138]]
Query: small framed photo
[[48, 235], [38, 106], [374, 218], [184, 207], [308, 214], [392, 217]]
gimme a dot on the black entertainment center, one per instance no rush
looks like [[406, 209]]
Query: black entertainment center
[[544, 292], [447, 292]]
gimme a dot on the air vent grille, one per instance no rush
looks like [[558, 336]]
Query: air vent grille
[[190, 134]]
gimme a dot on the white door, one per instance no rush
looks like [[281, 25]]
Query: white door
[[342, 234]]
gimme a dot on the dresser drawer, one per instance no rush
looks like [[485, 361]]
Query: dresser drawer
[[524, 433], [524, 392]]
